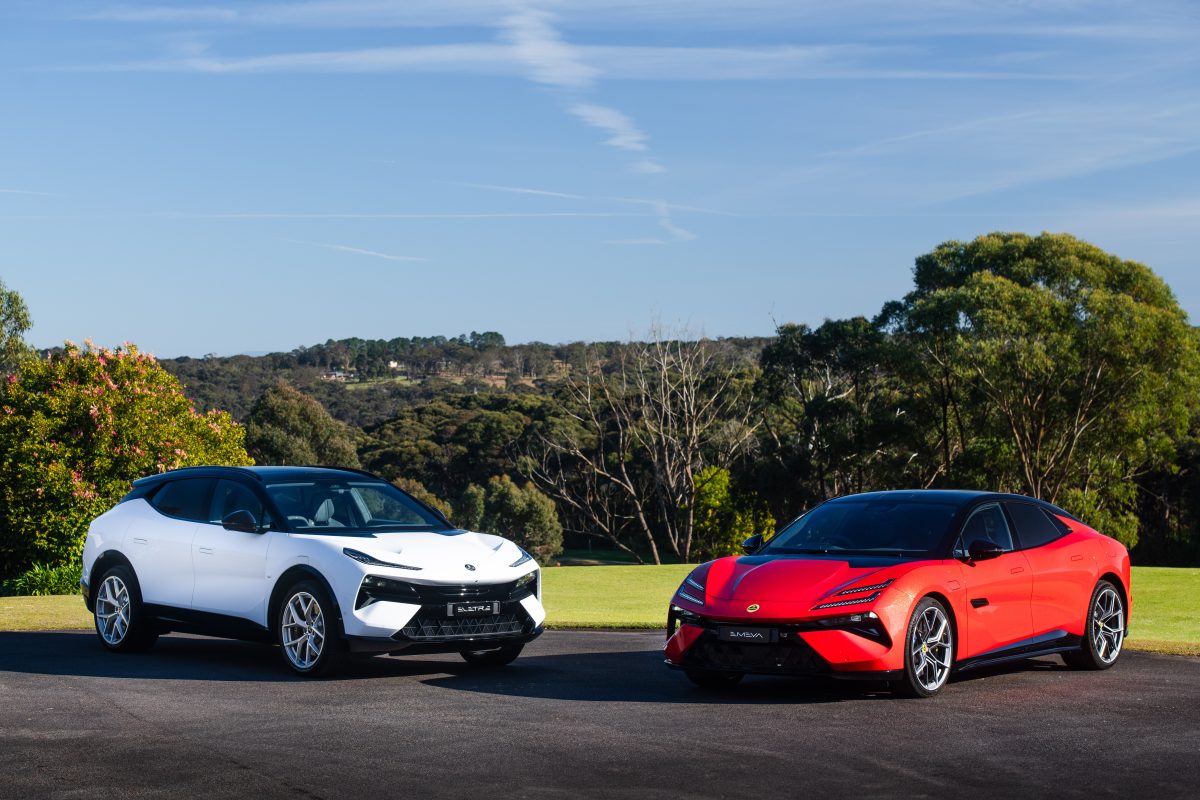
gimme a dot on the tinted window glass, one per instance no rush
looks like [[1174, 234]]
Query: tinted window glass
[[313, 506], [987, 524], [1034, 526], [186, 498], [230, 497], [867, 526]]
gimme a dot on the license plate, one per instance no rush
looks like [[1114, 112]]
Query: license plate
[[749, 635], [476, 608]]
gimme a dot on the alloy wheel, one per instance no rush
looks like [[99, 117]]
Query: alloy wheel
[[303, 627], [112, 610], [932, 648], [1108, 625]]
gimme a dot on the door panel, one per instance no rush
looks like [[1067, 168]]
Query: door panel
[[998, 612], [231, 572], [998, 590], [231, 566], [1064, 574], [160, 549]]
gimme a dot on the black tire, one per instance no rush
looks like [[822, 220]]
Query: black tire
[[1089, 655], [291, 628], [708, 679], [500, 657], [130, 631], [927, 677]]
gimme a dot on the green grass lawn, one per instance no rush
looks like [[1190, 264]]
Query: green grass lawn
[[1164, 604]]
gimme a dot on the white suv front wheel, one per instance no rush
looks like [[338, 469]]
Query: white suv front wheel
[[308, 632]]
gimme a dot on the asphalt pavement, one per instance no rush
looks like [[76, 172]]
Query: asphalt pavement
[[580, 714]]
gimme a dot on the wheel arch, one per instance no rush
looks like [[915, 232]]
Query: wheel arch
[[1116, 581], [946, 604], [285, 581], [106, 561]]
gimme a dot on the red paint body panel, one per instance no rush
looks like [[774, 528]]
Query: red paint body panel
[[1005, 584], [1029, 593]]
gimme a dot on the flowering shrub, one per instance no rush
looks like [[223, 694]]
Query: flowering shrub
[[76, 429]]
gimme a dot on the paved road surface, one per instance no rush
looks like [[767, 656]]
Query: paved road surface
[[590, 714]]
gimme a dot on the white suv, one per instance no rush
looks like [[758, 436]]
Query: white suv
[[322, 562]]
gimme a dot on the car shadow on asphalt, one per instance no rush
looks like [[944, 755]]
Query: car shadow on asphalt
[[631, 676]]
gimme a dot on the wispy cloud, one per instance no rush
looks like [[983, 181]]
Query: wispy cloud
[[522, 190], [647, 166], [384, 215], [623, 133], [549, 58], [358, 251], [634, 242], [28, 192]]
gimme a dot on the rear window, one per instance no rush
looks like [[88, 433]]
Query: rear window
[[187, 498], [1034, 525]]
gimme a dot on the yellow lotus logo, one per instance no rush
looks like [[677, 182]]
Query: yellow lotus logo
[[752, 607]]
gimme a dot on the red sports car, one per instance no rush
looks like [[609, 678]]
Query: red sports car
[[906, 587]]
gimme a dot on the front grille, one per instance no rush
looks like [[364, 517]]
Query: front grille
[[478, 591], [375, 588], [791, 656], [430, 626]]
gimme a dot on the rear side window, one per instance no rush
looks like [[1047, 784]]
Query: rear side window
[[188, 498], [1034, 526]]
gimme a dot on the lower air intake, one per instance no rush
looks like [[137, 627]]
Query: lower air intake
[[424, 628]]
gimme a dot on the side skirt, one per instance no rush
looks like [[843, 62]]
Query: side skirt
[[1061, 642], [205, 623]]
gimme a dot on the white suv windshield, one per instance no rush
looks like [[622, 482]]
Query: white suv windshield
[[318, 506]]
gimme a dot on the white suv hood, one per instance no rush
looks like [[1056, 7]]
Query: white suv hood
[[442, 556]]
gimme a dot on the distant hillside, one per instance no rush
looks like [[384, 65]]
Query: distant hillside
[[365, 381]]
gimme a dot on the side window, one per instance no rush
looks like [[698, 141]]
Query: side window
[[1034, 527], [187, 498], [987, 524], [231, 496]]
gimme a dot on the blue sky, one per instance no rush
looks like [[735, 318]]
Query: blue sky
[[235, 177]]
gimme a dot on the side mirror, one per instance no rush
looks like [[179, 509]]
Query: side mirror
[[240, 520], [753, 544], [982, 550]]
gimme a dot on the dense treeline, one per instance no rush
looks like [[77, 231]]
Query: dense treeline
[[1039, 365]]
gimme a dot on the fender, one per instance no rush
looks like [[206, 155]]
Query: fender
[[292, 574], [106, 560]]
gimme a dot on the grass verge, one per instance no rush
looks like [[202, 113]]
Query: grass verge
[[1164, 616]]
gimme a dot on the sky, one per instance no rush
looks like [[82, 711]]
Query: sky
[[256, 176]]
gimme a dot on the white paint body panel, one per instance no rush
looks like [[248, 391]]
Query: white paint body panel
[[203, 567]]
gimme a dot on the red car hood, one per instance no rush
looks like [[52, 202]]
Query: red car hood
[[759, 579]]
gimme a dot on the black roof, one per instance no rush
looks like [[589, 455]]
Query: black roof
[[955, 497], [261, 474]]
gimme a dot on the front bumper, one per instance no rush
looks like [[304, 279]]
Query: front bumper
[[394, 645], [862, 648]]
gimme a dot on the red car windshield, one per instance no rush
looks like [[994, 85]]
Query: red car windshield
[[875, 527]]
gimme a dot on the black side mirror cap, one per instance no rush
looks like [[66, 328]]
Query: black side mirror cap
[[982, 550], [240, 520], [753, 544]]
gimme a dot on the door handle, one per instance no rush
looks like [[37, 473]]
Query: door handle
[[1077, 557], [1016, 570], [139, 540], [206, 551], [979, 602]]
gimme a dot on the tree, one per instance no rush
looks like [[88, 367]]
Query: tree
[[520, 513], [418, 490], [834, 420], [14, 323], [1069, 370], [632, 438], [288, 427], [76, 429], [724, 520]]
